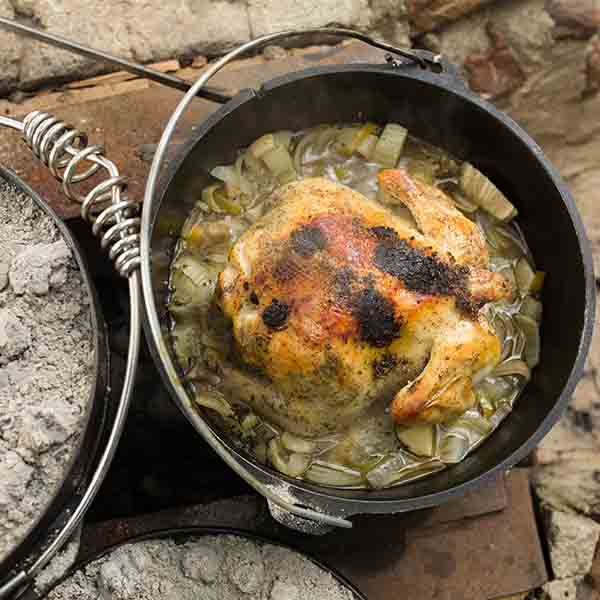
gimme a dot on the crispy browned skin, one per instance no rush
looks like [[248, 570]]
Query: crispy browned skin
[[337, 301]]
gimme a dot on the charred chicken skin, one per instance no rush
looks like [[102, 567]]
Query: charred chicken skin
[[336, 302]]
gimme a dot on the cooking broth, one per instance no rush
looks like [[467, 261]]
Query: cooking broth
[[373, 452]]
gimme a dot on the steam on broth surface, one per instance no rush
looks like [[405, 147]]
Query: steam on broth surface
[[371, 451]]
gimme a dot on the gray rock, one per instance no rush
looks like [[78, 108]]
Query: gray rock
[[561, 589], [35, 269], [11, 47], [573, 588], [571, 485], [269, 17], [572, 540], [148, 31], [15, 337]]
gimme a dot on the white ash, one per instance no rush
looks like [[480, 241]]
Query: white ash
[[221, 567], [46, 363]]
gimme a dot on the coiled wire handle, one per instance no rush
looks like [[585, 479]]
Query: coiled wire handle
[[114, 218]]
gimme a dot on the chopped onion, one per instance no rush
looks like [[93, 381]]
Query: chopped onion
[[283, 138], [463, 203], [210, 233], [471, 421], [345, 141], [249, 422], [419, 439], [531, 331], [531, 308], [229, 175], [324, 473], [302, 146], [525, 275], [214, 402], [479, 189], [366, 147], [395, 469], [253, 164], [262, 145], [292, 465], [295, 444], [389, 146], [278, 160], [513, 366], [422, 170], [453, 448]]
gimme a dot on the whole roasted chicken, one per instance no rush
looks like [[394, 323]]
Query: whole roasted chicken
[[336, 302]]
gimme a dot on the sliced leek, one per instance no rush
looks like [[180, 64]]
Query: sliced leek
[[389, 146], [419, 439], [531, 330], [480, 190]]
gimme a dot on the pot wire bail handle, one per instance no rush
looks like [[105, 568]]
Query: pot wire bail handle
[[114, 219]]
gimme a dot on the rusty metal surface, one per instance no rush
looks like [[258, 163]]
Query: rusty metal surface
[[125, 116], [486, 546]]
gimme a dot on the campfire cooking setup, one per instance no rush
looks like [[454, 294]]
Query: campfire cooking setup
[[363, 285]]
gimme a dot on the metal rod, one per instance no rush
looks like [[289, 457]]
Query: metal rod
[[172, 81]]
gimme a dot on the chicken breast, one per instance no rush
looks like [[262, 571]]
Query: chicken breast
[[336, 302]]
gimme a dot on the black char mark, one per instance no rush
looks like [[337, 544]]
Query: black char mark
[[377, 324], [418, 271], [276, 314], [307, 240]]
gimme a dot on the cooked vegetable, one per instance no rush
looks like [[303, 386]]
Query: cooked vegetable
[[278, 161], [419, 439], [296, 444], [389, 146], [292, 464], [366, 147], [471, 421], [532, 335], [283, 138], [531, 308], [215, 402], [525, 275], [480, 190], [324, 473], [538, 282], [422, 170], [210, 233], [453, 448], [513, 366], [262, 145]]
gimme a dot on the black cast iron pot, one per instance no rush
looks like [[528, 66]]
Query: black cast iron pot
[[438, 108]]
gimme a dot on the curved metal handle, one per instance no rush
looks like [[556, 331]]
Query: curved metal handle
[[71, 160]]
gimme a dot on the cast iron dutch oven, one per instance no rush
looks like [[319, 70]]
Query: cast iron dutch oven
[[426, 97]]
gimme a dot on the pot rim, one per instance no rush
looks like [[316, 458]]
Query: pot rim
[[321, 497]]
